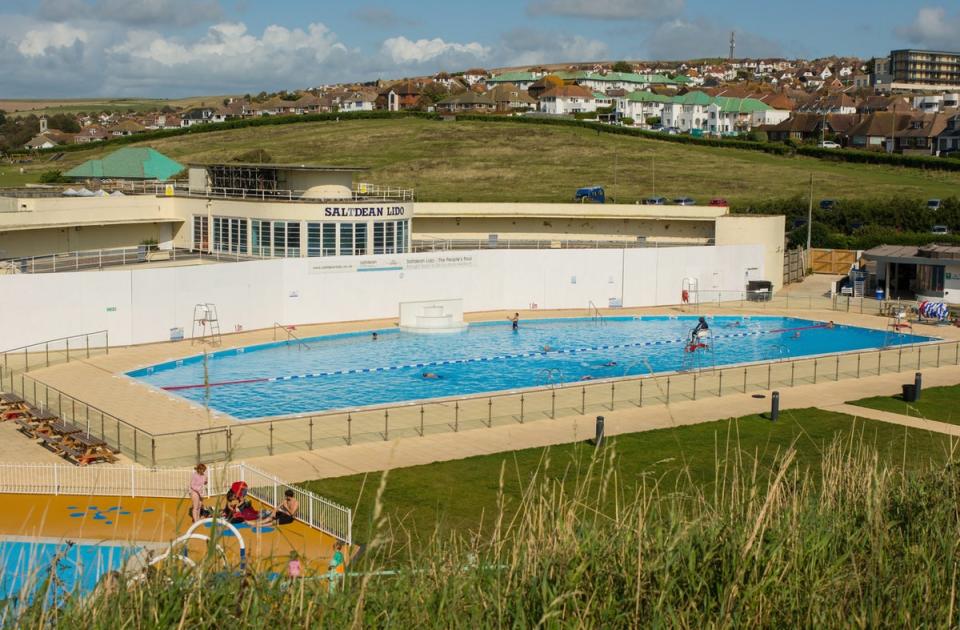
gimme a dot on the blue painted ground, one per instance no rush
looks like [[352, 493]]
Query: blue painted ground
[[25, 567], [343, 371]]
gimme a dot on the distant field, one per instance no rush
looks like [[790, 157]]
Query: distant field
[[485, 161], [73, 106]]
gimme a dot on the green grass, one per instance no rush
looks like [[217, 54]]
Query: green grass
[[463, 495], [936, 403], [488, 161]]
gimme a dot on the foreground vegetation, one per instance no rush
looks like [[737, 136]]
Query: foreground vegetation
[[848, 541], [484, 161], [464, 495]]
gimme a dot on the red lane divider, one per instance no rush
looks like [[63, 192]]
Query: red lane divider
[[173, 388]]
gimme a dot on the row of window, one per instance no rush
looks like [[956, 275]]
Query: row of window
[[282, 238]]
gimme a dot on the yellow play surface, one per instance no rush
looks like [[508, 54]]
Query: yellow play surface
[[148, 521]]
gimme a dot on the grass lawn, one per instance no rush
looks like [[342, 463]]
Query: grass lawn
[[936, 403], [488, 161], [462, 495]]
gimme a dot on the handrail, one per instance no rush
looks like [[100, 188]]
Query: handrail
[[597, 317], [26, 350], [290, 334]]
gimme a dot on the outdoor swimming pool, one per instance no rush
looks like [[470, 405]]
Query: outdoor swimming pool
[[27, 564], [352, 370]]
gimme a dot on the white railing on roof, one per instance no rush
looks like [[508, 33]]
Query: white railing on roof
[[365, 192], [172, 483]]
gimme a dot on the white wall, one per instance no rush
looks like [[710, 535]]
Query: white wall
[[140, 306]]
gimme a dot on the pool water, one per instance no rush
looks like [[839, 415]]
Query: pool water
[[353, 370], [25, 567]]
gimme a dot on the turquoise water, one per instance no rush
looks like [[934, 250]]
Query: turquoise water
[[25, 567], [352, 370]]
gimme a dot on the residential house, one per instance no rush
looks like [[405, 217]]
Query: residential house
[[875, 130], [91, 133], [949, 138], [400, 96], [522, 80], [831, 104], [48, 139], [509, 97], [354, 101], [879, 103], [126, 127], [568, 99], [641, 105], [306, 104], [810, 127], [197, 116], [467, 102], [475, 76], [276, 106], [922, 134], [928, 103]]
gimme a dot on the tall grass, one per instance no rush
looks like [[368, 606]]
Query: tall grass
[[855, 543]]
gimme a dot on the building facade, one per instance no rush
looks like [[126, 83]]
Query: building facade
[[930, 69]]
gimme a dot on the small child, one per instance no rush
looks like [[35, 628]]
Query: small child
[[293, 566]]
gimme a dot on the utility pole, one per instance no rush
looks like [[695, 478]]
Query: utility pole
[[810, 216], [653, 169], [614, 173], [733, 43]]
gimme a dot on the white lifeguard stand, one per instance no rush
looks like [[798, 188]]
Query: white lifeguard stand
[[206, 323], [432, 316]]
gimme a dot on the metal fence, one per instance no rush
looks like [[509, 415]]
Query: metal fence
[[53, 351], [134, 481], [89, 260]]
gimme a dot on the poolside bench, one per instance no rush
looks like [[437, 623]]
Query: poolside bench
[[84, 449]]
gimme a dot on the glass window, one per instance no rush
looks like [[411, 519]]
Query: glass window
[[346, 239], [930, 278], [279, 238], [378, 238], [329, 239], [314, 247], [200, 234], [359, 239], [390, 236], [261, 237], [293, 239], [402, 235]]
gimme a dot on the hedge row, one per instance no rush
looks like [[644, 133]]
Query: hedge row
[[243, 123]]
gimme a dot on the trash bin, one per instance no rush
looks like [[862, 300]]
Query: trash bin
[[909, 392], [879, 293]]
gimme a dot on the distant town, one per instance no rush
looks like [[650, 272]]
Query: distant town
[[907, 102]]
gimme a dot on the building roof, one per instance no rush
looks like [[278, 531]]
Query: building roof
[[510, 93], [880, 124], [128, 163], [513, 77], [468, 98], [642, 96], [568, 91]]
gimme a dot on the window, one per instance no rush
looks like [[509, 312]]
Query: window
[[329, 239], [346, 239], [930, 278], [260, 237], [293, 239], [229, 235], [200, 233], [314, 242], [402, 235], [378, 238], [360, 239], [390, 236]]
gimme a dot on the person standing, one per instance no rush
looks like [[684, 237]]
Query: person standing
[[198, 484], [336, 568], [515, 321]]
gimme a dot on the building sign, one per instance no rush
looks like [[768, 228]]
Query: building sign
[[410, 263], [365, 211]]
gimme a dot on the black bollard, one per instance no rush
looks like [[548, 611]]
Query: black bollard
[[917, 382], [599, 436], [774, 406]]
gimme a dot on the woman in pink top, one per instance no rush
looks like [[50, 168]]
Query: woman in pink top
[[198, 482]]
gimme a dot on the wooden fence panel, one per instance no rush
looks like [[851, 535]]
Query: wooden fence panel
[[833, 261]]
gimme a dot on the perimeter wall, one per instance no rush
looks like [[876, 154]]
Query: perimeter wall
[[142, 305]]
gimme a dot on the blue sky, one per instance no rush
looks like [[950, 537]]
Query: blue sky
[[51, 48]]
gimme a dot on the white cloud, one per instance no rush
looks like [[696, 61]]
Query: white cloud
[[608, 9], [404, 51], [933, 28], [38, 41], [684, 39], [527, 47]]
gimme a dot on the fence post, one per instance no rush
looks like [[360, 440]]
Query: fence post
[[349, 429], [744, 380], [68, 349], [421, 420], [720, 384], [879, 360], [386, 425], [837, 377], [769, 371], [641, 393], [456, 417], [553, 404], [56, 479], [153, 452], [271, 438], [694, 385], [135, 459], [919, 354], [613, 390], [938, 355], [198, 441], [814, 371], [310, 445], [668, 390], [899, 357], [858, 365], [46, 347], [521, 408]]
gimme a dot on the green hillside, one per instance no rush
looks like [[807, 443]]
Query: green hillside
[[489, 161]]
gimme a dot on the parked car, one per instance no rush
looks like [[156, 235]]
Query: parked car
[[656, 128], [939, 229], [828, 204], [655, 201], [827, 144], [719, 201], [589, 194], [684, 201], [933, 204]]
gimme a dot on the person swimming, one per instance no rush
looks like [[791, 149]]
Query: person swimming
[[374, 337], [431, 375], [795, 335], [546, 348], [586, 378], [735, 324], [610, 364]]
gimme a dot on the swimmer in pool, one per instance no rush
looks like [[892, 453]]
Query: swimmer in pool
[[515, 320], [431, 375], [830, 324], [610, 364], [586, 378], [735, 324], [546, 348], [795, 335], [374, 337]]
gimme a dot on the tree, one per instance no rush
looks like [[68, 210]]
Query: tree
[[166, 109], [622, 66], [3, 117], [63, 122]]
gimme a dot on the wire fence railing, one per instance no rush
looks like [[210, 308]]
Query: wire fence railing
[[54, 351], [88, 260], [173, 483], [439, 245]]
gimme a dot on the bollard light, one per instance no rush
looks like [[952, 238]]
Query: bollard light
[[774, 406], [917, 382], [598, 439]]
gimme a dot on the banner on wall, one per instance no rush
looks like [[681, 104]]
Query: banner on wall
[[416, 262]]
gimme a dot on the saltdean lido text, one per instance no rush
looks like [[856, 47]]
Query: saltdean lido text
[[377, 211]]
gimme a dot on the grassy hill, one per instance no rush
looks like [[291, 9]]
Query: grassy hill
[[488, 161], [75, 105]]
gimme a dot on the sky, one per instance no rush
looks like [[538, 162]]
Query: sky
[[176, 48]]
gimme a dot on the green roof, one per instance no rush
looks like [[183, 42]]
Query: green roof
[[641, 96], [512, 77], [128, 163], [693, 98], [742, 105]]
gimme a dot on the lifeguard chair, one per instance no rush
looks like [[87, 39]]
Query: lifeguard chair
[[206, 324], [897, 326]]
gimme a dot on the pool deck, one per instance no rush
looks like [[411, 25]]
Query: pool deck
[[99, 381], [152, 522]]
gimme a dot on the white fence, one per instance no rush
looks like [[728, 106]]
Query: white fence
[[134, 481]]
